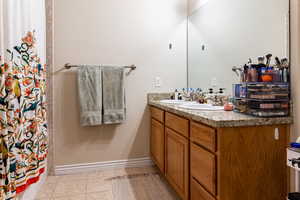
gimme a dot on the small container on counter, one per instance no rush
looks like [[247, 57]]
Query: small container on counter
[[228, 106]]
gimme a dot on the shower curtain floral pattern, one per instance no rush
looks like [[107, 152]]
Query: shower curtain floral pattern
[[23, 125]]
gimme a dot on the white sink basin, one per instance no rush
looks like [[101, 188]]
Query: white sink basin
[[170, 101], [204, 107]]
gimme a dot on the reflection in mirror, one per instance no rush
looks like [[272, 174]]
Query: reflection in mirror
[[226, 33]]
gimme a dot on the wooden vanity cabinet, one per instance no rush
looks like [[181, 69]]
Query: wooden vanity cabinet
[[206, 163], [170, 149]]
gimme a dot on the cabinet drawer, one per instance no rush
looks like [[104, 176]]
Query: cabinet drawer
[[157, 114], [203, 168], [178, 124], [198, 192], [204, 136]]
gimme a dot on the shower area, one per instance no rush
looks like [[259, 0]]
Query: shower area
[[23, 108]]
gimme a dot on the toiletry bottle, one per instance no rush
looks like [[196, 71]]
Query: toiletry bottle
[[276, 75], [253, 74], [285, 75], [260, 68], [281, 74], [242, 77], [176, 94], [246, 73], [183, 94], [249, 78]]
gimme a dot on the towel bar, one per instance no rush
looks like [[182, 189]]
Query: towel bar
[[69, 66]]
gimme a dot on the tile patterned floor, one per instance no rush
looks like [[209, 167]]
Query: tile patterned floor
[[117, 184]]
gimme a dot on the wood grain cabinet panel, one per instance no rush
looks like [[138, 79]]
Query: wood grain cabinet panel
[[203, 167], [198, 192], [157, 114], [158, 144], [252, 163], [177, 170], [178, 124], [203, 135]]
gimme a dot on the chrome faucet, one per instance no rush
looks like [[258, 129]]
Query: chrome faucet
[[191, 94], [216, 99]]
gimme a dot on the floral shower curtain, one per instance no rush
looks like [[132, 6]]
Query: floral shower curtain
[[23, 125]]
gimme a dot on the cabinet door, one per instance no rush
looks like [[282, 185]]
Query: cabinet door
[[177, 169], [252, 163], [158, 144]]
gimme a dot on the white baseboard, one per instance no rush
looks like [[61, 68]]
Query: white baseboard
[[86, 167]]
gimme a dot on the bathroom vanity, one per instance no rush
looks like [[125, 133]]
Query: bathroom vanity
[[220, 155]]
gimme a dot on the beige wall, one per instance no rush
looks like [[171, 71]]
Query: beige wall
[[114, 32]]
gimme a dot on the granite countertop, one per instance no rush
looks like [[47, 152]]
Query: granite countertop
[[215, 118]]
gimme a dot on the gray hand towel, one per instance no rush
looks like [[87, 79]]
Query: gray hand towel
[[90, 95], [113, 95]]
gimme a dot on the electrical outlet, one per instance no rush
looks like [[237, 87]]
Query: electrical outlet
[[157, 82]]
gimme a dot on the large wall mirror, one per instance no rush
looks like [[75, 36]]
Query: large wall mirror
[[226, 33]]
